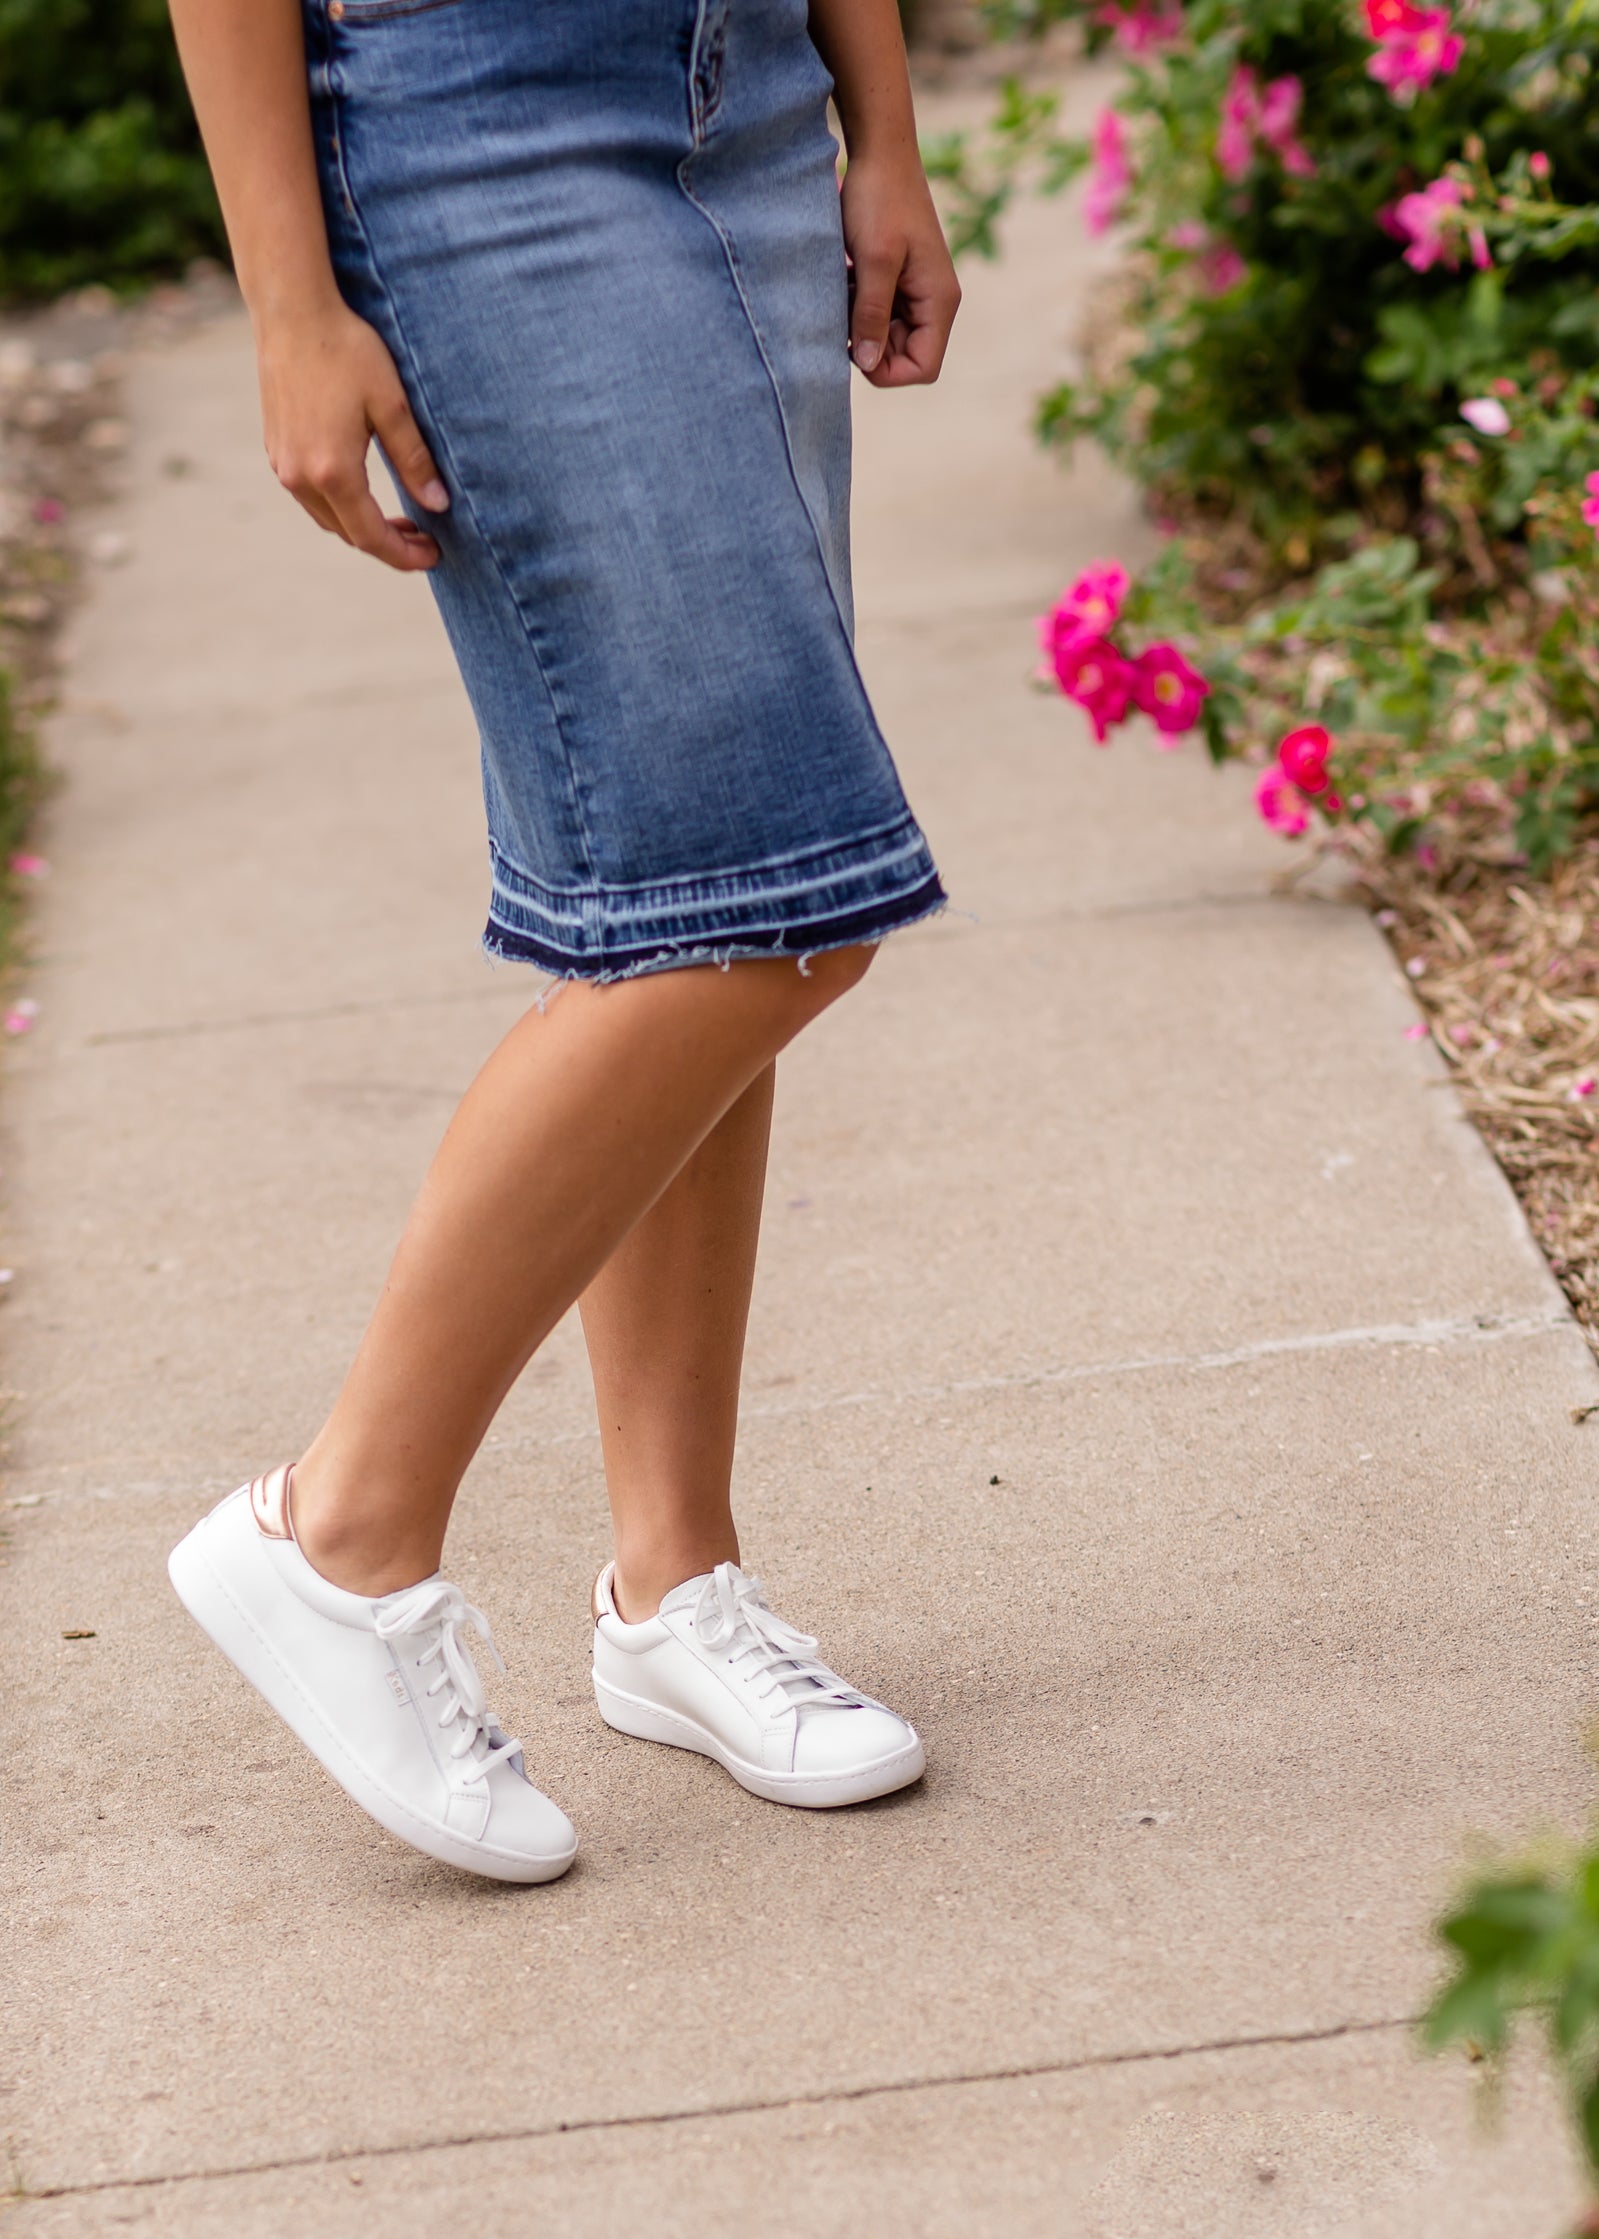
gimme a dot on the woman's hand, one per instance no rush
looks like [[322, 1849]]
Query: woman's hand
[[328, 385], [904, 293]]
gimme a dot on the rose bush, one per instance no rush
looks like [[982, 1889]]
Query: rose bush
[[1357, 370]]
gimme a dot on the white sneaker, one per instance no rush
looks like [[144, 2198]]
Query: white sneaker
[[384, 1692], [717, 1671]]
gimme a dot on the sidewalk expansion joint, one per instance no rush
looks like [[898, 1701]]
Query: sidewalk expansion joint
[[959, 925], [1464, 1329], [672, 2117], [1480, 1329]]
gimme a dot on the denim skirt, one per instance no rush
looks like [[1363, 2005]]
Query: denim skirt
[[601, 239]]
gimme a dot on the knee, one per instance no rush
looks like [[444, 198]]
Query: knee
[[836, 971], [793, 995]]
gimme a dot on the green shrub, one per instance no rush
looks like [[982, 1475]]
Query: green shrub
[[101, 174], [1356, 368], [1306, 373], [1524, 1940], [21, 787]]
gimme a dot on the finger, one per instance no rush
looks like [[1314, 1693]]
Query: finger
[[921, 337], [323, 515], [876, 279], [398, 544], [412, 461], [310, 500]]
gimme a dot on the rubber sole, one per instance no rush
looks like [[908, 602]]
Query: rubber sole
[[204, 1593], [630, 1714]]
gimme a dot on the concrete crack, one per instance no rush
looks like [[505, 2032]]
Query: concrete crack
[[1480, 1329], [957, 925], [672, 2117]]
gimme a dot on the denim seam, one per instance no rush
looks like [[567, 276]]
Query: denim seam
[[756, 874], [730, 251], [735, 273], [706, 51], [489, 544], [660, 919], [506, 945], [326, 69], [372, 11], [776, 928]]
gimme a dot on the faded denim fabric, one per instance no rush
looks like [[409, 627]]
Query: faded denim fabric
[[602, 240]]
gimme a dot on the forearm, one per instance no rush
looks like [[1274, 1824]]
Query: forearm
[[245, 65], [863, 46]]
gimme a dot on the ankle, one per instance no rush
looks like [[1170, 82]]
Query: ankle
[[641, 1580], [355, 1544]]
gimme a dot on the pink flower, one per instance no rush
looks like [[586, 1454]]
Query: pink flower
[[1386, 18], [29, 866], [1167, 689], [47, 511], [1580, 1090], [1220, 265], [1590, 504], [1302, 757], [1410, 58], [1111, 175], [1280, 104], [1538, 164], [1430, 222], [1240, 120], [1282, 806], [1089, 606], [1251, 112], [1094, 674], [1138, 27], [1481, 254], [1221, 268], [1486, 414], [20, 1017]]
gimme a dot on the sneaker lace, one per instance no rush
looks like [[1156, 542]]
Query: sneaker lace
[[443, 1609], [731, 1614]]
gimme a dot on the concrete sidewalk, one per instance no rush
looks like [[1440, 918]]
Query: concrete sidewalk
[[1152, 1388]]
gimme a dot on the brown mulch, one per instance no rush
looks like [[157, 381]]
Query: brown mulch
[[1506, 970]]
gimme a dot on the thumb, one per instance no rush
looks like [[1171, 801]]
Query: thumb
[[410, 457], [876, 278]]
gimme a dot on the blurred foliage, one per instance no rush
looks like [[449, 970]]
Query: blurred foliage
[[21, 788], [1352, 355], [1314, 379], [1524, 1940], [101, 174]]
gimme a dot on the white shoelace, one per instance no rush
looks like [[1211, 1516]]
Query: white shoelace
[[731, 1614], [436, 1603]]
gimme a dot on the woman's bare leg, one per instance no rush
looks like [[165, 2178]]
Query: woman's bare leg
[[665, 1320], [573, 1129]]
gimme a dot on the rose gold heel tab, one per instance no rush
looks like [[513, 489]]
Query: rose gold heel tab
[[269, 1503], [600, 1600]]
